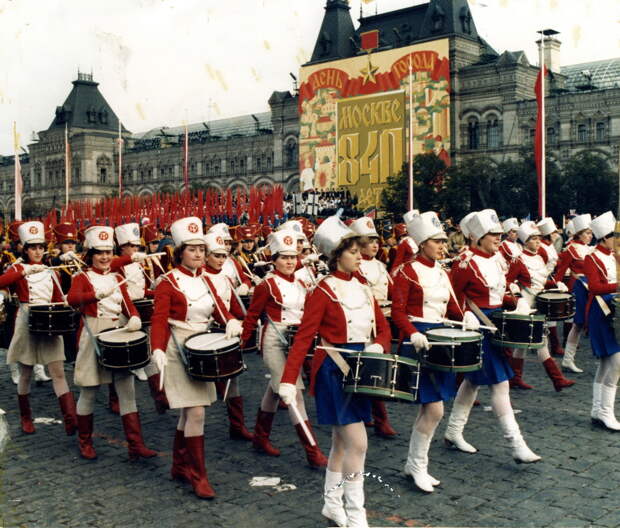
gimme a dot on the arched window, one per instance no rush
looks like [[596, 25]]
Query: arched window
[[601, 132], [582, 133], [493, 135], [473, 134], [290, 153]]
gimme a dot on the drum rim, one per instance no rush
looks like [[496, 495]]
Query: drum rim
[[385, 357], [519, 317], [370, 391], [460, 368], [211, 353], [133, 366], [58, 308], [207, 378], [204, 333], [123, 344], [463, 339], [513, 344]]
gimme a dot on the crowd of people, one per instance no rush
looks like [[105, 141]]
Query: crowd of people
[[421, 311]]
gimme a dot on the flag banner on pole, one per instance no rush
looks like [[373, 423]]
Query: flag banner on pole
[[18, 175], [67, 167], [538, 141]]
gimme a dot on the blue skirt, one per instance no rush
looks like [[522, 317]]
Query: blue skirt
[[333, 405], [581, 299], [495, 366], [433, 385], [602, 336]]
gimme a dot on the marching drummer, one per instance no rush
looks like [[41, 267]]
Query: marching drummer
[[216, 256], [279, 302], [343, 312], [422, 290], [34, 284], [103, 299], [572, 258], [528, 276], [407, 248], [510, 248], [378, 279], [185, 302], [600, 271], [480, 280], [238, 275]]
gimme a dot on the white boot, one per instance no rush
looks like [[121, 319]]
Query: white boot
[[40, 375], [354, 504], [568, 361], [456, 424], [140, 374], [606, 414], [596, 402], [417, 460], [333, 507], [520, 452], [14, 367]]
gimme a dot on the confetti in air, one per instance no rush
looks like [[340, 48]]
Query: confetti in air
[[352, 476]]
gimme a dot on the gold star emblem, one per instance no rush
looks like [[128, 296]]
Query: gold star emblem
[[369, 72]]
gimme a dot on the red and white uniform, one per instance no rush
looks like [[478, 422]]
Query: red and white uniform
[[341, 310], [572, 258], [509, 251], [405, 251], [135, 274], [480, 278], [600, 269], [224, 288], [531, 271], [552, 254], [233, 270], [377, 277]]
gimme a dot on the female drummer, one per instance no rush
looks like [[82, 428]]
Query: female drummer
[[422, 289], [343, 312], [279, 302], [480, 280], [231, 268], [104, 303], [529, 273], [217, 253], [572, 258], [34, 284], [185, 301], [600, 270], [375, 273]]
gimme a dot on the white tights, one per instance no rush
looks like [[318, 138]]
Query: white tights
[[57, 373], [542, 353], [270, 400], [348, 452], [608, 371], [124, 385], [500, 396], [572, 341], [429, 416], [192, 421]]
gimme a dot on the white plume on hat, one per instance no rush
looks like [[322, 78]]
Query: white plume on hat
[[603, 224]]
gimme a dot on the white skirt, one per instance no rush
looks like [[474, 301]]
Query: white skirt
[[274, 355], [32, 349]]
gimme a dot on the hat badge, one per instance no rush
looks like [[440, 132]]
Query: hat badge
[[288, 240], [220, 240], [103, 235], [192, 228], [369, 224], [33, 230], [136, 232], [435, 222]]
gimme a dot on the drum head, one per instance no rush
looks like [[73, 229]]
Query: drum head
[[210, 341], [121, 336], [554, 296], [455, 334]]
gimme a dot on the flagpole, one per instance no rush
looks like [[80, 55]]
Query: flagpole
[[543, 132], [67, 167], [120, 161], [18, 175], [410, 134], [186, 160]]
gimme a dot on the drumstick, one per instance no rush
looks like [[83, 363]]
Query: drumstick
[[106, 332], [306, 431], [226, 389], [338, 349], [447, 321], [436, 343]]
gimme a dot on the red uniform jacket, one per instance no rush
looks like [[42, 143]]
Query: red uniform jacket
[[17, 283]]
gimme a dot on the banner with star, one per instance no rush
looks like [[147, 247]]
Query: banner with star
[[324, 89]]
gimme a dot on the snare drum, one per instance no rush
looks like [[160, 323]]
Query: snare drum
[[121, 349], [289, 335], [518, 330], [382, 376], [211, 357], [556, 305], [145, 309], [464, 354], [52, 319]]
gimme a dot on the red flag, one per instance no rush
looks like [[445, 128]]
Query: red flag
[[538, 142]]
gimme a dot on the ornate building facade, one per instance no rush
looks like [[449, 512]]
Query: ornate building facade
[[492, 115]]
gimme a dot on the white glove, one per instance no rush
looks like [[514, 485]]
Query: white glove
[[134, 324], [138, 256], [34, 268], [523, 308], [419, 341], [66, 257], [160, 359], [243, 289], [374, 348], [287, 392], [562, 287], [310, 259], [470, 321], [234, 327], [101, 294], [514, 288]]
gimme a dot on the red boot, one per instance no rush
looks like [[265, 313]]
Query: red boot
[[556, 376], [180, 469], [85, 436], [113, 404], [517, 381], [25, 413], [133, 433], [315, 457], [554, 342], [237, 429], [381, 421], [158, 395], [198, 473], [262, 430], [67, 407]]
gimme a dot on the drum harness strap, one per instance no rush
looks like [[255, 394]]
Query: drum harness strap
[[601, 302], [269, 320]]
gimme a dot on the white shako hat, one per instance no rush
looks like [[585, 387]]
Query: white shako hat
[[425, 226], [127, 234], [364, 226], [99, 237], [603, 225], [510, 224], [31, 232], [569, 229], [527, 230], [582, 222], [483, 223], [547, 226], [283, 242], [463, 224], [409, 215], [187, 231], [222, 229], [215, 243], [330, 233], [295, 226]]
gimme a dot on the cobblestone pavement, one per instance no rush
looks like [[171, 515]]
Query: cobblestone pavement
[[44, 483]]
